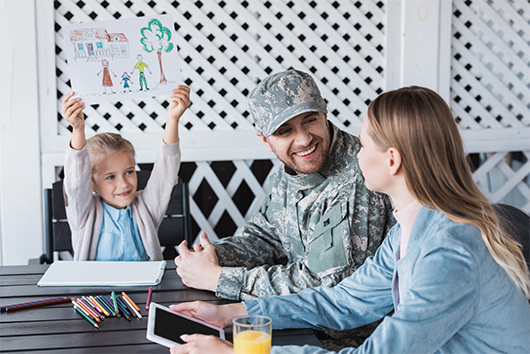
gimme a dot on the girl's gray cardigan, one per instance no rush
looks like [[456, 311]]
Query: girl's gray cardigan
[[85, 211]]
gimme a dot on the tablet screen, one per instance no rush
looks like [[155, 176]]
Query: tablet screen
[[171, 326]]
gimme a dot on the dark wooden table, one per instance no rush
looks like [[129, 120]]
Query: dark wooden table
[[59, 329]]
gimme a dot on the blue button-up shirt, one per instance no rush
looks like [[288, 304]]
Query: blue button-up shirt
[[120, 238]]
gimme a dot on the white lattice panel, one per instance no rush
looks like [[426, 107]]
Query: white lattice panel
[[225, 48], [491, 87]]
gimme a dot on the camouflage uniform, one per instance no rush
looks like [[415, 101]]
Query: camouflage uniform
[[312, 229]]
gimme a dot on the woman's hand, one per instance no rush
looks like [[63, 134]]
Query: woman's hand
[[219, 315], [200, 344]]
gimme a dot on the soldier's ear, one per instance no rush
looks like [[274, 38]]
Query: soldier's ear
[[265, 141]]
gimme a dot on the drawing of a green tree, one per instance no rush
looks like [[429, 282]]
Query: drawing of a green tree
[[156, 37]]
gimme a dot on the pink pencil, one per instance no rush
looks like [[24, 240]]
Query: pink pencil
[[148, 298]]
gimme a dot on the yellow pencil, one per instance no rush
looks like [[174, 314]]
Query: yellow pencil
[[99, 305]]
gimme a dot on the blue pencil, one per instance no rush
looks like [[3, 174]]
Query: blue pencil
[[105, 302], [123, 309], [102, 303]]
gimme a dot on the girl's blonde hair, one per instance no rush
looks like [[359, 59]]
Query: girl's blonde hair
[[100, 145], [419, 124]]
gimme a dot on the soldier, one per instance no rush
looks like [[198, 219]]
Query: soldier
[[318, 223]]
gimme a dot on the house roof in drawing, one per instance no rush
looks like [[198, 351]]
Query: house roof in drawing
[[100, 33], [119, 36]]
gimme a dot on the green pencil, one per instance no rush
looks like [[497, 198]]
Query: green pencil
[[114, 301], [85, 316]]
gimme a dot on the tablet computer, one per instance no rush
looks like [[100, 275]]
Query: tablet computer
[[165, 326]]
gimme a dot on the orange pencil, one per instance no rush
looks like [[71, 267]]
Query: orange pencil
[[82, 313], [132, 302], [81, 309], [87, 308]]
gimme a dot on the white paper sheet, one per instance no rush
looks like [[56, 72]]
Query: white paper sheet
[[93, 273], [124, 59]]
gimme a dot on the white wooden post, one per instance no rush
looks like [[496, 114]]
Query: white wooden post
[[20, 179], [419, 44]]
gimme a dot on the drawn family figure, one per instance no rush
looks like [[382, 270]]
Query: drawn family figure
[[126, 79], [140, 65], [107, 81]]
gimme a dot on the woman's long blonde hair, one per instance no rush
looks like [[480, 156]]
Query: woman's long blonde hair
[[419, 124]]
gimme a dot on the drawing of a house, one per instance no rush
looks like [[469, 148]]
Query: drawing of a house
[[92, 44]]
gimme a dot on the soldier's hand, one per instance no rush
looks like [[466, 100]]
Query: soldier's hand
[[199, 268]]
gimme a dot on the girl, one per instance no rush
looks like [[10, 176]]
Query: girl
[[456, 282], [110, 220]]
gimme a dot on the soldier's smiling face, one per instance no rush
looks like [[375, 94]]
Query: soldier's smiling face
[[302, 143]]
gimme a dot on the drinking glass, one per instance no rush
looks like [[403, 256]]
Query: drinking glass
[[252, 334]]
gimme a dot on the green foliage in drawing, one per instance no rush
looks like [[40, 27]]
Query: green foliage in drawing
[[156, 37]]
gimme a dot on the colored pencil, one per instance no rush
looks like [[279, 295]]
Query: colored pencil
[[128, 306], [107, 303], [130, 300], [32, 302], [29, 304], [109, 300], [136, 313], [76, 307], [114, 301], [82, 309], [89, 301], [148, 298], [103, 305], [87, 308], [123, 309], [99, 305]]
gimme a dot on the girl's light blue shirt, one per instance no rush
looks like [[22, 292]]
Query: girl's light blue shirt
[[455, 297], [120, 238]]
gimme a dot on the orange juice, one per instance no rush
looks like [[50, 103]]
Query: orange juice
[[252, 342]]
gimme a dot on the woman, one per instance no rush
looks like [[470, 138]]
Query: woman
[[456, 282]]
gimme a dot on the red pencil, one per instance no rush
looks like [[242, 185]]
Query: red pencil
[[51, 301]]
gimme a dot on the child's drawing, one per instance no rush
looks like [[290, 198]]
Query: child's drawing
[[122, 46], [107, 81], [141, 66]]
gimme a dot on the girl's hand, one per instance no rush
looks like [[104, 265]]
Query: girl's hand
[[72, 111], [180, 101]]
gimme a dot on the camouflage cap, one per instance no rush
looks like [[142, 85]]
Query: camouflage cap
[[282, 96]]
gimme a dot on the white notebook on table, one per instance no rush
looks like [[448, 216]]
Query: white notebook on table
[[95, 273]]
